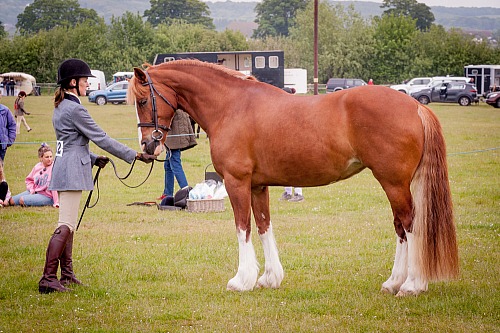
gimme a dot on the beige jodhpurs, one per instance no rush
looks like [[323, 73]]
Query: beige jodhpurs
[[20, 119], [69, 202]]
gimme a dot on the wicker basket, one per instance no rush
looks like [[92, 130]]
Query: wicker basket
[[205, 205]]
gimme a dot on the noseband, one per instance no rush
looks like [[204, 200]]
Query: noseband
[[157, 135]]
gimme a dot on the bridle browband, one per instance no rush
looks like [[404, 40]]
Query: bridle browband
[[157, 135]]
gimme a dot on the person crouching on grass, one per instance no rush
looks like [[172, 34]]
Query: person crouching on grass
[[37, 183], [72, 171]]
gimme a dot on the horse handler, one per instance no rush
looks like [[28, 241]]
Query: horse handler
[[72, 170]]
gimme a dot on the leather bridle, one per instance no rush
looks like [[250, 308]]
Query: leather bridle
[[157, 134]]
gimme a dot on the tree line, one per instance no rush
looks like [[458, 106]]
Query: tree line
[[388, 49]]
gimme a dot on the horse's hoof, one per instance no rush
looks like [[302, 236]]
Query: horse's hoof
[[386, 290], [232, 288], [406, 293], [235, 285], [269, 281]]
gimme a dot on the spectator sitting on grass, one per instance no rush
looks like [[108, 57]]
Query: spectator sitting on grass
[[37, 183]]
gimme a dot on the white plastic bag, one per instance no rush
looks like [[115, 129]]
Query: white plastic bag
[[209, 189]]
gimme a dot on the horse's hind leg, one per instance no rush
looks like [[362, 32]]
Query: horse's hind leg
[[400, 269], [405, 278], [273, 273]]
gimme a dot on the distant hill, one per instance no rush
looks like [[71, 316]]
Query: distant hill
[[240, 15]]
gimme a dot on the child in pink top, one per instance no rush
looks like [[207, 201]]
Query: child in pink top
[[37, 183]]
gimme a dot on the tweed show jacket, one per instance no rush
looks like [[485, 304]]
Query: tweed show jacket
[[73, 162], [181, 135]]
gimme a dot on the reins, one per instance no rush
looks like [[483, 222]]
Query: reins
[[121, 179]]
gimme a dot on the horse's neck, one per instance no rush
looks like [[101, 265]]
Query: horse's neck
[[203, 95]]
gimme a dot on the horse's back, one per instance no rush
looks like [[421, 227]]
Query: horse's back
[[369, 120], [330, 137], [384, 129]]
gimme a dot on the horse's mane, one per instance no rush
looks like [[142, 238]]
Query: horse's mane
[[198, 63], [134, 89]]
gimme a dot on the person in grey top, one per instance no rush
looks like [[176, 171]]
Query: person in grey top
[[72, 170], [20, 111]]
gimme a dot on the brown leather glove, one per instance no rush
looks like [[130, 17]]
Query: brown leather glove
[[146, 158], [101, 161]]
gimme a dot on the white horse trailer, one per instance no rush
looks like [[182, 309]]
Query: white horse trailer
[[96, 83], [485, 77]]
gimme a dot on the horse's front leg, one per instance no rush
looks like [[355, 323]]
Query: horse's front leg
[[248, 267], [273, 273]]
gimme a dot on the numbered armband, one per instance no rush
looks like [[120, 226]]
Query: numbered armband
[[59, 148]]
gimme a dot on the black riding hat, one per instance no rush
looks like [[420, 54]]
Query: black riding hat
[[73, 69]]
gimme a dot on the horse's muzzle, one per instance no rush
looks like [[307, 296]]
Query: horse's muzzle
[[149, 146]]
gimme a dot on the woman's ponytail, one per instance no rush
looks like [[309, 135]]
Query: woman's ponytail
[[58, 96]]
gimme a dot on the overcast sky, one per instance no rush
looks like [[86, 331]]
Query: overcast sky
[[430, 3]]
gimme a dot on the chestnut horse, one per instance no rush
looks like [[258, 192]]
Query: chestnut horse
[[256, 129]]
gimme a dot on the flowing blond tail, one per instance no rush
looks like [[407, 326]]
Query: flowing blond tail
[[433, 224]]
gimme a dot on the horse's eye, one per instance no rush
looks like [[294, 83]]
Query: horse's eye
[[142, 102]]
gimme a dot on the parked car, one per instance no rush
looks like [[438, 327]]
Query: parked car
[[115, 93], [413, 83], [448, 92], [440, 79], [336, 84], [493, 99]]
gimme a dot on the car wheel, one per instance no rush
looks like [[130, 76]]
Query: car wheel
[[423, 99], [403, 91], [497, 105], [100, 100], [464, 101]]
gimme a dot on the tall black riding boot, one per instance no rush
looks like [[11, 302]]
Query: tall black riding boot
[[67, 274], [49, 282], [4, 188]]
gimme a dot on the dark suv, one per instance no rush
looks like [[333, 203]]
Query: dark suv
[[448, 92], [336, 84]]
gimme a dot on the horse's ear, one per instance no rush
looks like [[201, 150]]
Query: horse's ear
[[140, 75]]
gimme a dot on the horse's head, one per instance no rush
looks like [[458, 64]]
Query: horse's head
[[155, 106]]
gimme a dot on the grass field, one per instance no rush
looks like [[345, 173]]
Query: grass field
[[162, 271]]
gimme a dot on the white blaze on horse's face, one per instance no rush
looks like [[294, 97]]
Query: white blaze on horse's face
[[139, 132]]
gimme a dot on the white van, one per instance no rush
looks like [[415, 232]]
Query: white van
[[416, 82], [96, 83]]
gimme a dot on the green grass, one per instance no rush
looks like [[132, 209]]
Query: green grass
[[164, 271]]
